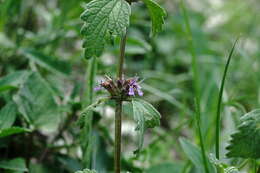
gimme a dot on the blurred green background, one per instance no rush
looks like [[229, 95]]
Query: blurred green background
[[41, 61]]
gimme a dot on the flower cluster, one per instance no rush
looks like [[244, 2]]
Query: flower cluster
[[121, 88]]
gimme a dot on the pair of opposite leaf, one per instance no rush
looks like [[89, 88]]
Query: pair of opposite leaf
[[103, 17], [145, 115]]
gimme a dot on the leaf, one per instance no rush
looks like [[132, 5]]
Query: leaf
[[6, 88], [89, 109], [69, 163], [245, 143], [157, 14], [5, 42], [40, 168], [13, 80], [224, 167], [166, 168], [86, 171], [194, 154], [7, 115], [166, 96], [36, 103], [136, 45], [17, 164], [48, 62], [100, 18], [146, 116], [12, 131]]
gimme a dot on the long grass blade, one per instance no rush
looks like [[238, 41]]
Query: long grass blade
[[218, 119]]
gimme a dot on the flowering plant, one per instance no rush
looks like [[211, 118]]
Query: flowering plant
[[101, 18]]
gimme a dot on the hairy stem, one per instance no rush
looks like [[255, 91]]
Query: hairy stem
[[118, 111], [196, 86], [118, 119], [120, 67], [218, 118]]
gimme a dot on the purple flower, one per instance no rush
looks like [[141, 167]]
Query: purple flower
[[134, 87], [131, 91], [98, 88], [140, 92]]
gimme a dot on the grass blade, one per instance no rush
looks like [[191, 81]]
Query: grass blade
[[218, 119]]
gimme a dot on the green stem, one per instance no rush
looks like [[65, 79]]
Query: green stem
[[196, 86], [120, 67], [218, 119], [118, 111], [118, 120], [88, 99]]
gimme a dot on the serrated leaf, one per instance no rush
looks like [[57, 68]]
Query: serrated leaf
[[17, 164], [7, 115], [245, 143], [12, 131], [146, 116], [35, 101], [86, 171], [194, 154], [157, 14], [100, 18]]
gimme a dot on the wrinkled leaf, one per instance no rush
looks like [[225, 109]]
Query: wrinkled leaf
[[36, 103], [146, 116], [245, 143], [157, 14], [100, 18], [17, 164], [12, 131]]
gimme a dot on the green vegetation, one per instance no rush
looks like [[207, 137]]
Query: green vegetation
[[129, 86]]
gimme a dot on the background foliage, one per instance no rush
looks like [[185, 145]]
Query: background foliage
[[43, 79]]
